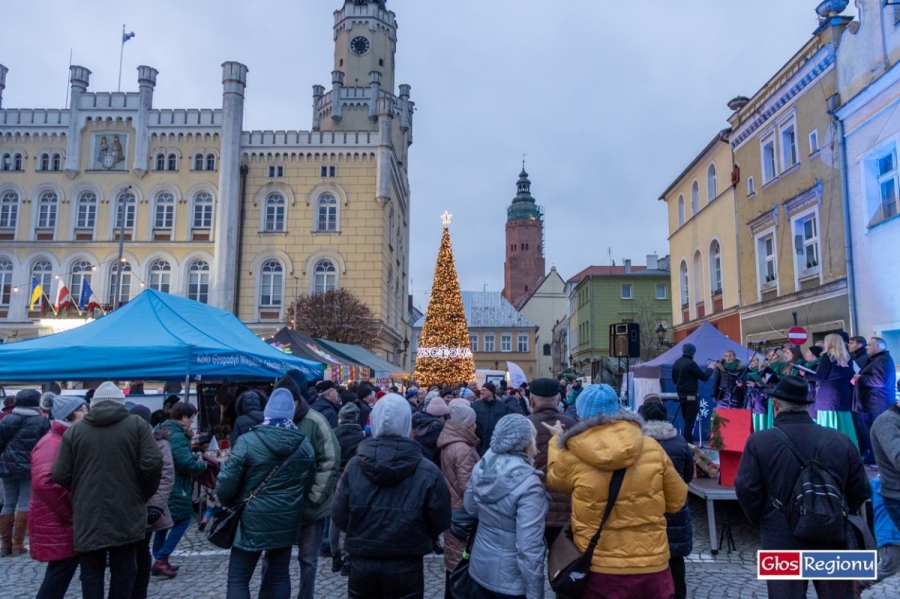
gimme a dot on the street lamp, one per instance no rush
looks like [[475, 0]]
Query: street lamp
[[661, 332]]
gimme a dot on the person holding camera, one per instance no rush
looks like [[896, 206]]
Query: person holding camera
[[686, 376]]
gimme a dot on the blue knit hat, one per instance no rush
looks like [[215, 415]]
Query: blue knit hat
[[281, 405], [596, 399]]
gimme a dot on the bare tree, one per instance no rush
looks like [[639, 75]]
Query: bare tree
[[335, 316], [649, 319]]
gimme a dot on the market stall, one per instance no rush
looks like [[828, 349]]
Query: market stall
[[382, 370], [337, 368]]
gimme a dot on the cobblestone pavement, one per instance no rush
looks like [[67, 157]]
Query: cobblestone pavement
[[204, 569]]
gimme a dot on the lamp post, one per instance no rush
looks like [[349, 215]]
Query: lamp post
[[119, 270], [661, 332]]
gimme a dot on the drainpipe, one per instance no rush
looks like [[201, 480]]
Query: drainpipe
[[845, 204], [240, 241]]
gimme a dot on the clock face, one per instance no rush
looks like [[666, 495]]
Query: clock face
[[360, 45]]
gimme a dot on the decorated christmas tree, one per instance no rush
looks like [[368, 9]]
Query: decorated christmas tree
[[444, 355]]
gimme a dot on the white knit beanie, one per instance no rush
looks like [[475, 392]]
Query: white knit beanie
[[108, 391]]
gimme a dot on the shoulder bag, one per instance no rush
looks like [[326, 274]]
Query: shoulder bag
[[462, 585], [567, 567], [224, 525]]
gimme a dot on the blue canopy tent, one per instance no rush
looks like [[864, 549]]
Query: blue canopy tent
[[156, 337]]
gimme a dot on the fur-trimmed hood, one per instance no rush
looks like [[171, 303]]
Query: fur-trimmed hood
[[659, 430], [606, 441]]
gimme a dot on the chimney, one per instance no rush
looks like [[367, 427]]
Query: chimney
[[628, 267], [652, 261]]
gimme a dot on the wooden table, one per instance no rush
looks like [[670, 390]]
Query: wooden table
[[710, 490]]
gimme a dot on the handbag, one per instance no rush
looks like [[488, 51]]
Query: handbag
[[223, 526], [859, 537], [462, 585], [567, 567]]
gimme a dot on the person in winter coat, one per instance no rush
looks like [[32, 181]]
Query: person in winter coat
[[276, 451], [678, 525], [857, 348], [488, 412], [685, 375], [768, 472], [875, 391], [392, 503], [9, 404], [187, 465], [632, 556], [834, 396], [328, 402], [50, 509], [507, 497], [457, 444], [728, 390], [886, 447], [158, 516], [427, 427], [249, 407], [544, 401], [112, 466], [349, 435], [19, 433], [365, 400]]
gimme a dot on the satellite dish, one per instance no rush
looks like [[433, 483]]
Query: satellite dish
[[831, 7]]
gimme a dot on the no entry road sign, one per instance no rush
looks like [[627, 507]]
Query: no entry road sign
[[797, 335]]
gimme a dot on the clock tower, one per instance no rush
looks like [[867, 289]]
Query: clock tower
[[524, 266]]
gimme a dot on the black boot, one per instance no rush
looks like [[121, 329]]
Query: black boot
[[336, 563]]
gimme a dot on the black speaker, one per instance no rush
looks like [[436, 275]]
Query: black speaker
[[625, 340]]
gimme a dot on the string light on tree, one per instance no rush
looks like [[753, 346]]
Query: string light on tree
[[444, 355]]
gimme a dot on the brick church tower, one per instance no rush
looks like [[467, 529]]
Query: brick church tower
[[524, 266]]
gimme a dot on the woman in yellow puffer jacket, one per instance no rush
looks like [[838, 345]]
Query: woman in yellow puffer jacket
[[631, 560]]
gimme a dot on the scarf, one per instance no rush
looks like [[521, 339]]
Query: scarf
[[280, 423], [733, 367]]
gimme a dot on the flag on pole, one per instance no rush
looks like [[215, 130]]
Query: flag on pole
[[36, 292], [62, 296], [127, 36], [516, 375], [86, 293]]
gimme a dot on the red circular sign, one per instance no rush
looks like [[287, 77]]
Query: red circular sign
[[797, 335]]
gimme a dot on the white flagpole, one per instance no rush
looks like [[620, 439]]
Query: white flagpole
[[67, 78], [121, 55]]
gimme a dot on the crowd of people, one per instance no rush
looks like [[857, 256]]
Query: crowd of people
[[487, 475]]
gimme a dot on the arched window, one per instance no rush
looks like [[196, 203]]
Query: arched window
[[9, 210], [711, 190], [685, 284], [198, 162], [173, 162], [45, 162], [6, 274], [18, 163], [680, 210], [42, 272], [160, 162], [327, 213], [210, 162], [164, 218], [203, 210], [6, 162], [695, 198], [275, 206], [87, 211], [81, 273], [47, 207], [547, 349], [160, 276], [270, 288], [125, 292], [126, 206], [198, 281], [325, 277], [715, 267], [698, 278], [57, 162]]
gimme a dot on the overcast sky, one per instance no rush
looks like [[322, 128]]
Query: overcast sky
[[610, 100]]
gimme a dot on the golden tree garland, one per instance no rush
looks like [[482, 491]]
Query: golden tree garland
[[444, 355]]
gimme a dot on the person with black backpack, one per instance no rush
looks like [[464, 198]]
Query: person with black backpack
[[798, 453]]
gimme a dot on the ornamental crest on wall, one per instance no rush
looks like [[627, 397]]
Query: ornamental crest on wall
[[109, 151]]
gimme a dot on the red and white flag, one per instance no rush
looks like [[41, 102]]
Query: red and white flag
[[62, 297]]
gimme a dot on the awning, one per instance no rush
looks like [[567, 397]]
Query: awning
[[363, 356]]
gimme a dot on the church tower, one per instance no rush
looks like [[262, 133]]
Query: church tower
[[524, 267]]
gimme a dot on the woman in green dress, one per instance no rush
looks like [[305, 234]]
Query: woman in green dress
[[834, 397]]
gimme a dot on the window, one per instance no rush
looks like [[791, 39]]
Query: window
[[813, 142], [210, 162], [522, 342], [173, 162], [685, 284], [489, 342], [473, 341], [87, 211], [6, 273], [680, 210], [626, 291], [198, 281], [57, 162], [160, 162], [806, 242], [695, 198], [547, 351], [768, 268], [505, 342], [751, 188], [45, 162], [126, 205], [768, 158], [198, 162], [9, 210], [164, 218], [125, 291], [275, 206], [327, 213], [711, 189], [660, 291], [271, 284], [390, 225], [160, 276], [276, 170], [325, 277], [81, 274], [203, 209], [18, 163], [328, 171], [47, 210], [788, 147], [41, 272], [715, 267], [886, 168], [6, 162]]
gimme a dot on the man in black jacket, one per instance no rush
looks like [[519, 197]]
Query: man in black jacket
[[874, 393], [488, 412], [858, 353], [392, 502], [328, 402], [769, 469], [685, 374]]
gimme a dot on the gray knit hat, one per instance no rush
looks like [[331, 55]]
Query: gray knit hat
[[462, 414], [108, 391], [349, 414], [47, 401], [280, 405], [64, 405], [512, 434]]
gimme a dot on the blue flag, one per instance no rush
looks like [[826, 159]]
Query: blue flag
[[127, 36], [86, 293]]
